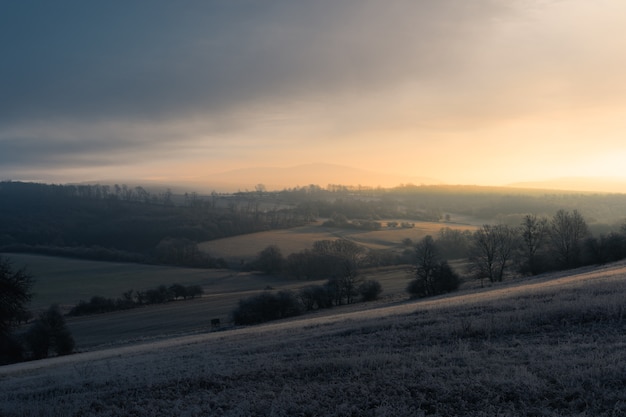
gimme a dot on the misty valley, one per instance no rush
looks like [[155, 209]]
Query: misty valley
[[412, 300]]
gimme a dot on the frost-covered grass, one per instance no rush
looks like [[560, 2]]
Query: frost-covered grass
[[555, 346]]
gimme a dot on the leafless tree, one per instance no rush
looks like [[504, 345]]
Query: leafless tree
[[533, 231], [492, 248], [567, 230]]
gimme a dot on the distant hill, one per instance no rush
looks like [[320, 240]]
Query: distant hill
[[591, 184], [275, 178]]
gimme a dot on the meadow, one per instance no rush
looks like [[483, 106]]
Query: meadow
[[552, 345], [246, 247], [66, 281]]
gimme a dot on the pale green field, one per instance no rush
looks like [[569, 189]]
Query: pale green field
[[247, 247], [66, 281]]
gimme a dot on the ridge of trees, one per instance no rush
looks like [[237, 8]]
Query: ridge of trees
[[132, 299], [123, 223]]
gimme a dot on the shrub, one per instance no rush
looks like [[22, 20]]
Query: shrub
[[194, 291], [315, 297], [370, 290], [49, 332], [442, 279], [159, 295], [267, 306], [270, 260]]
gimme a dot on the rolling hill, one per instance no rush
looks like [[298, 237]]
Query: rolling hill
[[551, 345]]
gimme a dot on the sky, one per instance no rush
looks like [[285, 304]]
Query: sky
[[484, 92]]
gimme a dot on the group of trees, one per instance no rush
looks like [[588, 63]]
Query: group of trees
[[269, 306], [538, 244], [541, 244], [325, 259], [125, 223], [131, 299], [128, 223], [432, 275], [48, 332], [337, 260]]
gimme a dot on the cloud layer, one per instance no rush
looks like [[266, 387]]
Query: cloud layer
[[228, 84]]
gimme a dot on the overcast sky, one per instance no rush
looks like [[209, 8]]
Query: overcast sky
[[464, 91]]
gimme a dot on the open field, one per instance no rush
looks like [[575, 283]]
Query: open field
[[66, 281], [553, 345], [247, 247]]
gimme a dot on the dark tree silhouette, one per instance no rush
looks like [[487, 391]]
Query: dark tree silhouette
[[49, 332], [15, 293], [534, 231], [567, 230], [270, 260], [491, 251]]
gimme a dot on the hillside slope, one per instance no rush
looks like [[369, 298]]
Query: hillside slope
[[552, 345]]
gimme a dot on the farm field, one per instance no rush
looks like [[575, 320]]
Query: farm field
[[553, 345], [66, 281], [247, 247]]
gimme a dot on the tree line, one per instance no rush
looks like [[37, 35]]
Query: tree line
[[132, 299], [134, 224], [538, 244], [127, 224], [339, 261]]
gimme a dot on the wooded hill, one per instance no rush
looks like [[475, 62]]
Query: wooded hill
[[125, 223]]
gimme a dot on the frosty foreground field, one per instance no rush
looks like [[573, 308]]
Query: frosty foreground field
[[553, 346]]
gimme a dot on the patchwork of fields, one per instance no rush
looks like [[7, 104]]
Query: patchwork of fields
[[66, 281], [246, 247]]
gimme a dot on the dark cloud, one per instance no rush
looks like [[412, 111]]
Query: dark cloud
[[73, 60], [54, 152]]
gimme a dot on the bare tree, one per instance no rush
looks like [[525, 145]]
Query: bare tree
[[432, 275], [533, 231], [15, 293], [492, 247], [426, 260], [567, 230]]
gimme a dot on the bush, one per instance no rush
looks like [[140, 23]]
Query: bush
[[315, 297], [442, 280], [96, 305], [370, 290], [49, 332], [270, 260], [267, 306]]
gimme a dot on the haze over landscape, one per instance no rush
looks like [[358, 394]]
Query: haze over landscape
[[486, 92]]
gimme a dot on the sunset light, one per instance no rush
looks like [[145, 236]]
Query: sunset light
[[484, 92]]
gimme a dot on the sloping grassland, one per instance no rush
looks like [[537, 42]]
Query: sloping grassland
[[549, 346]]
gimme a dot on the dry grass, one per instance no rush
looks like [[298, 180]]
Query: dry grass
[[248, 246], [551, 346]]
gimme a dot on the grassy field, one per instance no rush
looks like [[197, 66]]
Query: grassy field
[[66, 281], [247, 247], [553, 345]]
